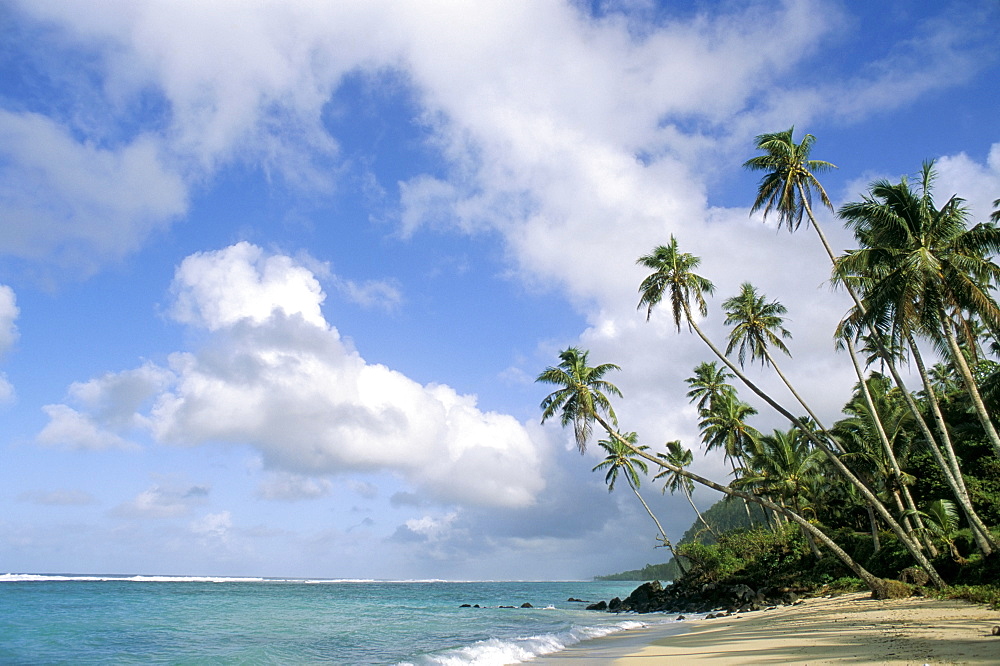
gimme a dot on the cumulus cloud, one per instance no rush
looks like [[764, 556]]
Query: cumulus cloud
[[978, 184], [109, 406], [76, 204], [275, 375], [555, 121], [72, 429]]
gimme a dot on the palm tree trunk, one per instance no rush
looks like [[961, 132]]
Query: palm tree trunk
[[897, 471], [974, 520], [663, 534], [970, 384], [808, 537], [874, 523], [984, 540], [795, 394], [687, 494], [875, 584], [864, 386], [893, 524]]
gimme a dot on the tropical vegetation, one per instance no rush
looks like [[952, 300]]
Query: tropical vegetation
[[907, 480]]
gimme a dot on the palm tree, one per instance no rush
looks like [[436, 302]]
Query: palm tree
[[681, 457], [624, 457], [581, 398], [558, 375], [890, 422], [709, 383], [724, 426], [758, 326], [673, 276], [782, 466], [788, 181], [786, 188], [916, 262], [922, 266]]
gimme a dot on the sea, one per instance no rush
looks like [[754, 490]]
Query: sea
[[74, 619]]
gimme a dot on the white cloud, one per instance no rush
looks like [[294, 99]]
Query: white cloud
[[69, 428], [6, 389], [216, 290], [276, 376], [978, 184], [8, 336], [213, 525], [292, 487], [383, 294], [77, 204], [163, 501], [8, 315]]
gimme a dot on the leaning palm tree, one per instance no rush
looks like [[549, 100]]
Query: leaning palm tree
[[681, 457], [623, 457], [708, 384], [917, 263], [581, 398], [786, 188], [557, 375], [788, 181], [724, 426], [673, 277], [922, 266], [758, 326], [782, 466]]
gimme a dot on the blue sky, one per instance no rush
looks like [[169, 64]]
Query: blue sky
[[277, 276]]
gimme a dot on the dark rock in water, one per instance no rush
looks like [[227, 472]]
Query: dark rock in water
[[466, 606], [615, 604], [526, 605], [577, 600], [681, 617], [600, 605], [504, 606], [476, 606]]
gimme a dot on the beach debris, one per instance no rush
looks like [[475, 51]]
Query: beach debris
[[996, 631]]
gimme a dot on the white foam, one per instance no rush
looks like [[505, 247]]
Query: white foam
[[495, 652]]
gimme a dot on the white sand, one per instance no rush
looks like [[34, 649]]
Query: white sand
[[849, 629]]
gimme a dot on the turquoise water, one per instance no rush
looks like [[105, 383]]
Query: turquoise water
[[146, 620]]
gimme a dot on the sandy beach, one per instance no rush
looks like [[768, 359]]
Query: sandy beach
[[848, 629]]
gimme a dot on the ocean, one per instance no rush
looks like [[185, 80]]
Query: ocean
[[68, 619]]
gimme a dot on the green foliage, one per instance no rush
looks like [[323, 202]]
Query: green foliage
[[977, 594], [724, 516], [665, 571]]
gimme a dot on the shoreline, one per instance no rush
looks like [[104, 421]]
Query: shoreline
[[850, 628]]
